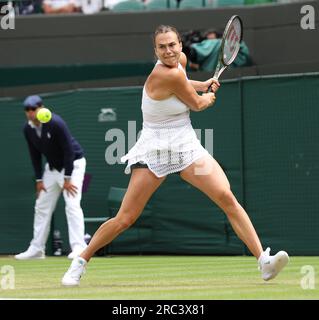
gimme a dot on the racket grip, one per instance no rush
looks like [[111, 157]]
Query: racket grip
[[210, 87]]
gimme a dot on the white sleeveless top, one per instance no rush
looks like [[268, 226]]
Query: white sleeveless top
[[156, 111], [168, 142]]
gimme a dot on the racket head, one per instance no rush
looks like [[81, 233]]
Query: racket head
[[232, 37]]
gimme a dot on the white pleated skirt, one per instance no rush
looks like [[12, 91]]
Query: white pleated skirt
[[165, 147]]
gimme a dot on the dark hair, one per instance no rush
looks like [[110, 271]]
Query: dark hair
[[218, 33], [164, 29]]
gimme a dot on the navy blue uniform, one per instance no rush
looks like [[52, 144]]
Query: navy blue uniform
[[56, 144]]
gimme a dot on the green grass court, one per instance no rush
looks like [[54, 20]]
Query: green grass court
[[159, 278]]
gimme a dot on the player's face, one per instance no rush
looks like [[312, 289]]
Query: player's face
[[168, 48], [31, 113]]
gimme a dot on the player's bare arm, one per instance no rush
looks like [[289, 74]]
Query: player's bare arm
[[182, 88], [200, 86], [203, 86]]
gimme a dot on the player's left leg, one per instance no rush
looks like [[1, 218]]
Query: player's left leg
[[207, 175]]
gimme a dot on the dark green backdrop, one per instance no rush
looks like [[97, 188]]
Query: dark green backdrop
[[265, 136]]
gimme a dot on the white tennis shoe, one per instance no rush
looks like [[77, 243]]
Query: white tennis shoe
[[270, 266], [75, 253], [73, 275], [30, 253]]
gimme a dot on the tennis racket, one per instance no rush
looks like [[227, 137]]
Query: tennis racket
[[230, 45]]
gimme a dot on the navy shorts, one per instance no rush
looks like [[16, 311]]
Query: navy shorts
[[140, 165]]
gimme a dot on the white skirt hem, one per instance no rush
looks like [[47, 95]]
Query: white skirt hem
[[128, 167]]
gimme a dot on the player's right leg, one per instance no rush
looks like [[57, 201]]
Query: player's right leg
[[142, 185]]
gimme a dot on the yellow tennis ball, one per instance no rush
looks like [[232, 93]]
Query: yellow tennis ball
[[44, 115]]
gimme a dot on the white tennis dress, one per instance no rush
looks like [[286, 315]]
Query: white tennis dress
[[168, 142]]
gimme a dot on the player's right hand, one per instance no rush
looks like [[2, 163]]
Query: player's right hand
[[210, 96]]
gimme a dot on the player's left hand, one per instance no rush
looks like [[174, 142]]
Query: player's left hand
[[70, 188], [214, 84]]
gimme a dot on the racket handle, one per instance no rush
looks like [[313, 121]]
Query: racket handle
[[210, 87]]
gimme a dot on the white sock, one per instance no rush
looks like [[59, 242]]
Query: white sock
[[81, 260]]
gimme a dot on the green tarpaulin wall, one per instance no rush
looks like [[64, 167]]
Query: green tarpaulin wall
[[263, 131]]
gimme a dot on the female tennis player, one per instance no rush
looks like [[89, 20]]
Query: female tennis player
[[168, 144]]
